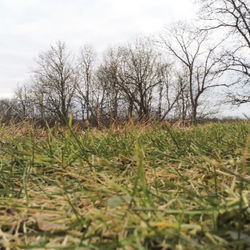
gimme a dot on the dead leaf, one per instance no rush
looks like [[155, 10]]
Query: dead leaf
[[46, 226], [10, 211]]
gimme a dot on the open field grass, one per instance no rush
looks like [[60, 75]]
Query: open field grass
[[136, 187]]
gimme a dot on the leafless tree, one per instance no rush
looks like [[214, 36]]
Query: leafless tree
[[139, 75], [85, 89], [56, 81], [100, 108], [136, 78], [190, 48], [108, 77], [183, 104], [169, 90], [25, 106], [7, 110], [233, 18]]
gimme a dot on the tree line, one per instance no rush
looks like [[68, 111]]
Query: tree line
[[173, 76]]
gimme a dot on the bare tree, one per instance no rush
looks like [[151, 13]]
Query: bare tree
[[56, 81], [108, 77], [86, 84], [233, 17], [169, 90], [135, 77], [139, 76], [25, 106], [183, 104], [7, 110], [190, 48]]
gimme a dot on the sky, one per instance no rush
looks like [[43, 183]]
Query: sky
[[29, 27]]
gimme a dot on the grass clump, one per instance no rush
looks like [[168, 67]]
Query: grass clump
[[151, 187]]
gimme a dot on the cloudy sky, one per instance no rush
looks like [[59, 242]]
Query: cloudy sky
[[28, 27]]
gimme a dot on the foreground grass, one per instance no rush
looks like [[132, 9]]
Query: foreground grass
[[131, 188]]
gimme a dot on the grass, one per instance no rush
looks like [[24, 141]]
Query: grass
[[136, 187]]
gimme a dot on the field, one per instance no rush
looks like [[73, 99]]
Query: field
[[131, 187]]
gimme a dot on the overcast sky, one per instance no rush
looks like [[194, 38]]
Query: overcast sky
[[28, 27]]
